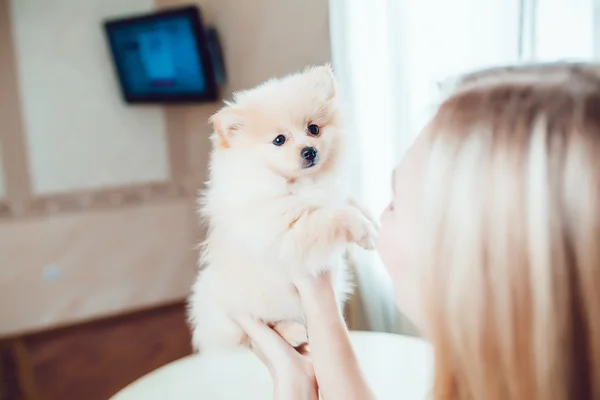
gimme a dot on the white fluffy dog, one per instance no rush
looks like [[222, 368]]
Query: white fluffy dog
[[276, 206]]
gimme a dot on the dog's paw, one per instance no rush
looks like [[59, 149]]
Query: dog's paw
[[355, 203], [366, 235], [293, 332], [359, 229], [368, 240]]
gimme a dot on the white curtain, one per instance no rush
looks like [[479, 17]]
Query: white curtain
[[391, 56], [561, 29]]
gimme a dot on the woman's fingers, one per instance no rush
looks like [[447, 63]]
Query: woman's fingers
[[260, 354], [275, 352], [292, 371], [323, 278], [304, 349], [264, 339], [259, 333]]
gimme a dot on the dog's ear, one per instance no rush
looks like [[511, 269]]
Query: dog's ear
[[226, 123], [325, 80]]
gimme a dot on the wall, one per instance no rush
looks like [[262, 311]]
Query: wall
[[267, 38], [72, 122], [97, 216]]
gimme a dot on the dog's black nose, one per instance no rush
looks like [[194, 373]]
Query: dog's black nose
[[309, 153]]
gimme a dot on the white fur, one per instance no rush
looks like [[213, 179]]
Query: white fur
[[269, 218]]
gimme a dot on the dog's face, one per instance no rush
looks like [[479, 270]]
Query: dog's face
[[289, 124]]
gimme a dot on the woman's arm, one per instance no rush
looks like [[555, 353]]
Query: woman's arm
[[336, 367]]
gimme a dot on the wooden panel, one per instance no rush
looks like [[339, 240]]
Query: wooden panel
[[9, 380], [74, 267], [96, 360]]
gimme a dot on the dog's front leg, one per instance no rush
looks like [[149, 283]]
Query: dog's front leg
[[316, 236]]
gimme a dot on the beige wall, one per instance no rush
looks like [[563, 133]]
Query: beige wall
[[79, 134], [68, 262], [267, 38]]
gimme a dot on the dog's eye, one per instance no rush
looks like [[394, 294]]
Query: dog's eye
[[279, 140], [313, 129]]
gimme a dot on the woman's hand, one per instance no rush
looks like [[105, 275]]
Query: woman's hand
[[336, 373], [292, 372]]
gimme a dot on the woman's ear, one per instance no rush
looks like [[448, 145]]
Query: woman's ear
[[227, 122]]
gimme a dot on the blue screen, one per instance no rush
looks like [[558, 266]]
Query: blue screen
[[158, 57]]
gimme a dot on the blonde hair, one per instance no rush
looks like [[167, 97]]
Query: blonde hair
[[511, 251]]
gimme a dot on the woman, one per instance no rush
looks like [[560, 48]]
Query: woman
[[492, 241]]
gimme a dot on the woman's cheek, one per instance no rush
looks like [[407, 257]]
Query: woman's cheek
[[386, 245], [396, 249], [395, 246]]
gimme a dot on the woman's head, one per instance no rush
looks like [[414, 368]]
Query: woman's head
[[494, 234]]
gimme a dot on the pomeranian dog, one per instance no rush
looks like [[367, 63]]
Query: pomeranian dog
[[276, 206]]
